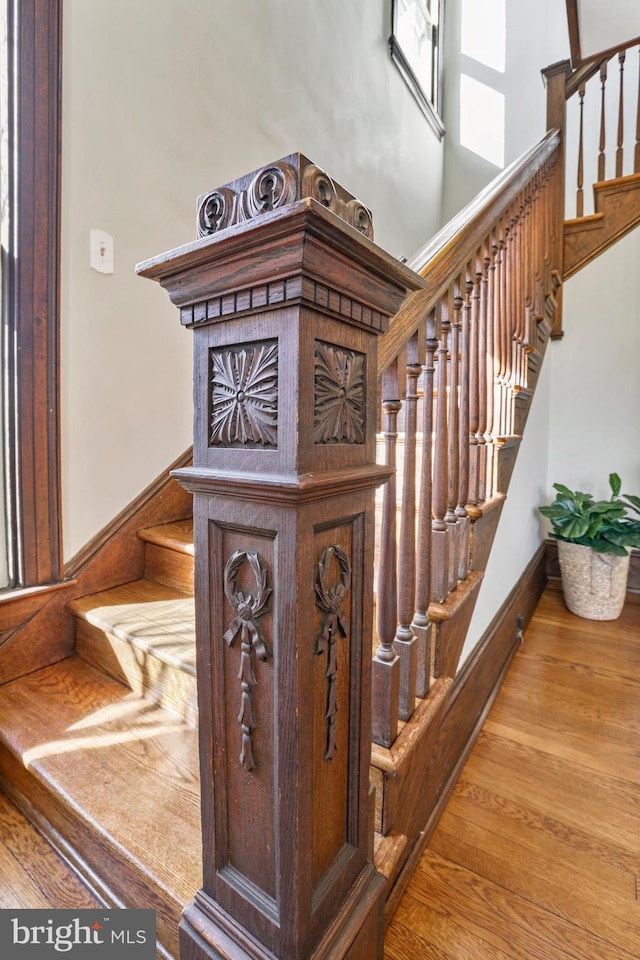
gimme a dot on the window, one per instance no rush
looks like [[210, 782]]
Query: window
[[415, 44], [29, 156]]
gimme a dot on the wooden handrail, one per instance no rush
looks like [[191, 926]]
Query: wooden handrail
[[447, 253]]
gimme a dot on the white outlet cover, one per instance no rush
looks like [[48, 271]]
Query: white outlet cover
[[101, 251]]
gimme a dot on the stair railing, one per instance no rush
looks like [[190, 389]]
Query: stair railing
[[603, 123], [289, 307], [451, 369]]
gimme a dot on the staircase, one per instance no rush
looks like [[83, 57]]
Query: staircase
[[126, 811], [99, 742]]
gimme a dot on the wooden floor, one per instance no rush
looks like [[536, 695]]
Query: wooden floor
[[537, 856]]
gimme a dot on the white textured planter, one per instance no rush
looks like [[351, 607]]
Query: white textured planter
[[594, 584]]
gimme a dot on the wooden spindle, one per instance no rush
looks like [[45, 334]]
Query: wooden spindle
[[474, 398], [439, 539], [386, 664], [636, 160], [580, 194], [405, 640], [489, 289], [601, 155], [422, 626], [619, 151], [483, 393], [464, 438], [454, 434]]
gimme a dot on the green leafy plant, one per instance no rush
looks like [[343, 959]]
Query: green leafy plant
[[604, 525]]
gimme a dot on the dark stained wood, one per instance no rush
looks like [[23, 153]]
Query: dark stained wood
[[283, 576], [421, 623], [440, 543], [114, 556], [620, 147], [386, 662], [603, 126], [405, 640], [574, 31], [32, 277], [580, 191], [536, 854]]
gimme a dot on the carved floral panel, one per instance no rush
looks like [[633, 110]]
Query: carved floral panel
[[339, 411], [244, 395]]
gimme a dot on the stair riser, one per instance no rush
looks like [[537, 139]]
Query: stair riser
[[170, 567], [147, 676]]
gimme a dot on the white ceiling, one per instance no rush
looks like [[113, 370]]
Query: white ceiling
[[605, 24]]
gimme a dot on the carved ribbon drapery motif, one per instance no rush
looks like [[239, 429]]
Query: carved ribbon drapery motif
[[329, 599], [248, 609]]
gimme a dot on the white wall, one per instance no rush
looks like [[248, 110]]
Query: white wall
[[534, 39], [520, 529], [594, 428], [163, 100]]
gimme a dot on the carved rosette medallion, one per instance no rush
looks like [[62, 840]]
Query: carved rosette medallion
[[329, 599], [244, 396], [248, 609], [339, 412]]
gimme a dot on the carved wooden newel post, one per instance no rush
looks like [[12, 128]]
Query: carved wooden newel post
[[286, 302]]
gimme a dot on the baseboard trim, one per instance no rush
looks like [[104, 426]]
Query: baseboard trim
[[46, 632], [475, 688]]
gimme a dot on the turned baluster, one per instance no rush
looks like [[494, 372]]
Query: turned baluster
[[386, 663], [483, 393], [489, 301], [475, 360], [439, 539], [507, 325], [636, 163], [454, 435], [405, 641], [619, 151], [580, 194], [501, 271], [465, 437], [422, 626], [601, 156]]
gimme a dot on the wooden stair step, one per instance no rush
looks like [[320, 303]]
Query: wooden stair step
[[168, 555], [143, 634], [115, 778], [617, 211]]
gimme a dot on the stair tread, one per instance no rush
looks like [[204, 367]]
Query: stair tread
[[175, 536], [128, 769], [155, 618]]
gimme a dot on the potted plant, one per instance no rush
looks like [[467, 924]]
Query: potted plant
[[594, 537]]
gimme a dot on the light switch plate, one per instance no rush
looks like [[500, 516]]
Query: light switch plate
[[101, 251]]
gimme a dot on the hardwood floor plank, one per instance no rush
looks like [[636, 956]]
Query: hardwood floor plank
[[537, 855], [503, 915], [448, 933], [581, 851], [35, 876], [552, 886]]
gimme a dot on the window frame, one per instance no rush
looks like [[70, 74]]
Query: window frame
[[31, 312], [431, 107]]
